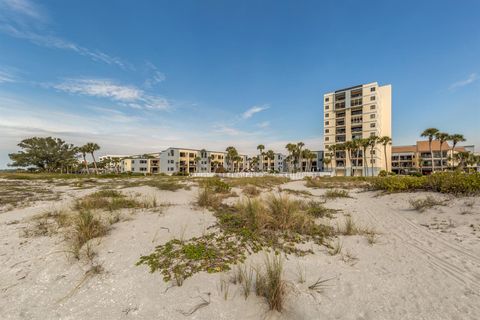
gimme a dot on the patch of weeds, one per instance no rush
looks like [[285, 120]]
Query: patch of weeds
[[259, 182], [426, 203], [211, 253], [47, 224], [336, 182], [300, 193], [224, 287], [336, 193], [318, 210], [112, 200], [251, 190], [349, 258], [269, 283], [216, 185]]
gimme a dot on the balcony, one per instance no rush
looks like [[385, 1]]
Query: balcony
[[357, 129], [340, 123], [356, 112], [339, 105], [356, 102]]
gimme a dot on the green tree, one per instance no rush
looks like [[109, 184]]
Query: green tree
[[430, 134], [47, 154], [270, 154]]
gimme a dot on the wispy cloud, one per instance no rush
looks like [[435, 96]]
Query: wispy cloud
[[471, 78], [264, 124], [156, 76], [6, 76], [105, 88], [255, 109], [23, 19]]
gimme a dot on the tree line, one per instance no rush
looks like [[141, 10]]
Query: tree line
[[53, 155]]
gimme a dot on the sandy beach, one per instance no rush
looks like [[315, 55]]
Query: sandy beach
[[418, 265]]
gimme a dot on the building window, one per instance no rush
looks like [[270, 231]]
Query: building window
[[327, 107], [133, 161], [327, 130], [372, 107], [327, 138], [372, 98], [372, 89], [327, 99], [372, 125], [372, 116], [326, 115], [372, 134], [327, 123]]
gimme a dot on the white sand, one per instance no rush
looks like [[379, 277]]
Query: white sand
[[424, 266]]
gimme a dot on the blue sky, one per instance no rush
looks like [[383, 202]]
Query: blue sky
[[140, 76]]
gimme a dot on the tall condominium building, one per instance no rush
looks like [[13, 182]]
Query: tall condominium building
[[353, 113]]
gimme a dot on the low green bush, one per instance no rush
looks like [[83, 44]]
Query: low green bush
[[445, 182]]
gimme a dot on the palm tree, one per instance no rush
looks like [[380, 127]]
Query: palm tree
[[373, 140], [333, 150], [298, 152], [462, 157], [442, 137], [291, 150], [260, 148], [327, 160], [231, 155], [83, 150], [91, 147], [270, 156], [197, 161], [385, 141], [347, 146], [430, 134], [456, 138], [364, 143]]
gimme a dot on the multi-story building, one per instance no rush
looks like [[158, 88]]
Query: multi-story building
[[277, 164], [358, 112], [315, 164], [173, 160], [140, 165], [417, 157]]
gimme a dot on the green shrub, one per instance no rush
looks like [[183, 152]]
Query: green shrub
[[445, 182], [216, 185]]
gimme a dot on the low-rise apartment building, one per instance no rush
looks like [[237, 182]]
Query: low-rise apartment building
[[315, 164], [140, 165], [277, 164], [417, 157]]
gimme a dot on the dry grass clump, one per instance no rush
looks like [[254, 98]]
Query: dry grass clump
[[336, 248], [86, 226], [336, 182], [269, 283], [422, 204], [47, 224], [112, 200], [243, 275], [259, 182], [336, 193], [206, 198], [317, 209], [251, 190], [300, 193]]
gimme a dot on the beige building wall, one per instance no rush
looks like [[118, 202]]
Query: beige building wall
[[358, 112]]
